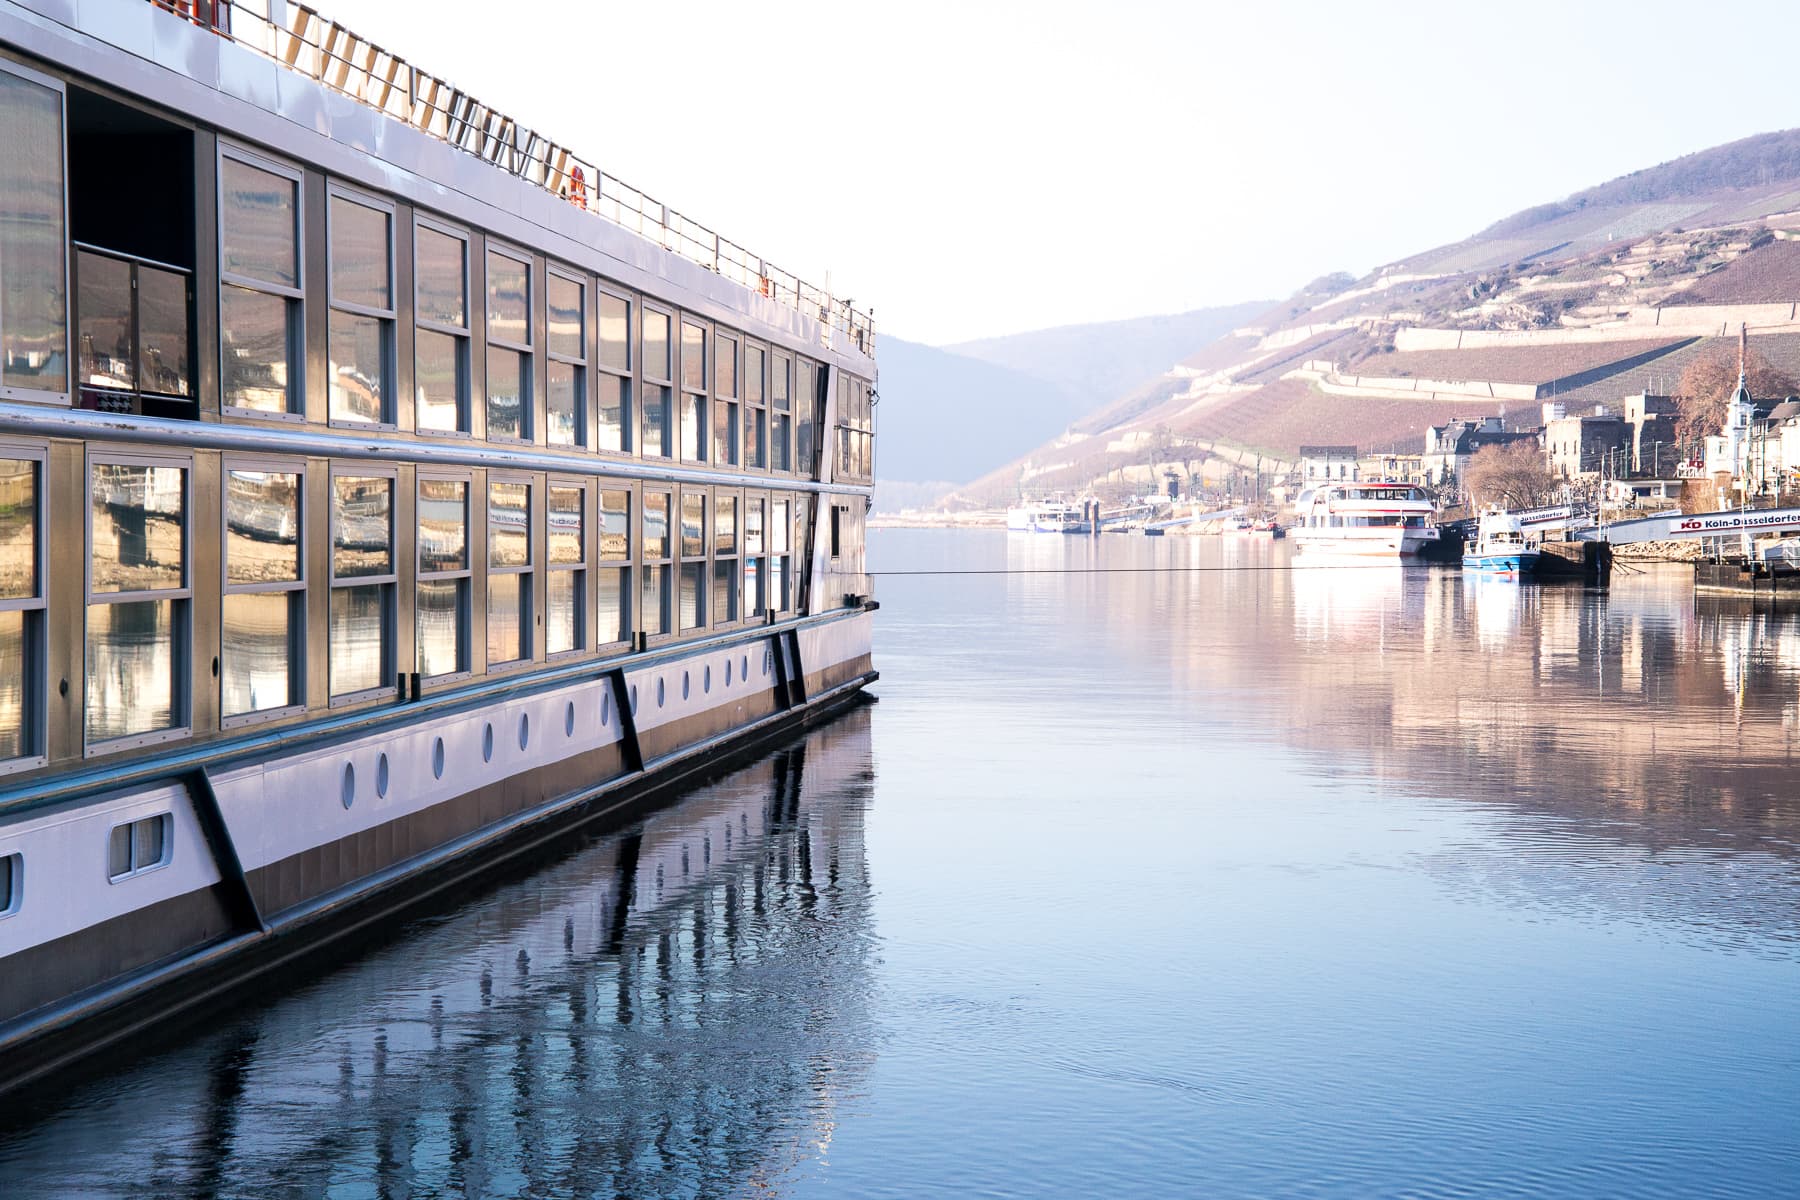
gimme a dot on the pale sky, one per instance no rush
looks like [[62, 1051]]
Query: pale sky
[[972, 169]]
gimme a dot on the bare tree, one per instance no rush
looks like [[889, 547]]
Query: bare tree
[[1512, 476], [1704, 391]]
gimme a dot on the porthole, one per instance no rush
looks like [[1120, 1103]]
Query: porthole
[[768, 661], [437, 758], [706, 680], [728, 672], [487, 742], [659, 693], [524, 730], [634, 699], [606, 708], [347, 790], [744, 670], [381, 777], [569, 720], [686, 685]]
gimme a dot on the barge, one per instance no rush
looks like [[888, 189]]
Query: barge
[[383, 487]]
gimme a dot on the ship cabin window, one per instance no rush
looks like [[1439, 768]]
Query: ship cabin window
[[361, 335], [261, 282], [806, 404], [363, 578], [837, 532], [34, 239], [754, 582], [139, 846], [12, 883], [692, 418], [139, 592], [654, 610], [855, 430], [22, 607], [781, 412], [691, 589], [565, 355], [780, 573], [805, 513], [262, 628], [566, 561], [613, 576], [613, 382], [441, 333], [444, 575], [509, 613], [756, 414], [658, 419], [133, 259], [725, 582], [510, 343], [725, 400]]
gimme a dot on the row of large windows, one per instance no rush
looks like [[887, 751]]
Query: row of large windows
[[401, 569], [620, 373]]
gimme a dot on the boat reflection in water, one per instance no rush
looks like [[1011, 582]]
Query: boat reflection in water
[[678, 1008], [1356, 603]]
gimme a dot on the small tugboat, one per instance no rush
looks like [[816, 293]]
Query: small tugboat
[[1500, 547]]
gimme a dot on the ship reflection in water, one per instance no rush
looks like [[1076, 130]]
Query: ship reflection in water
[[676, 1009]]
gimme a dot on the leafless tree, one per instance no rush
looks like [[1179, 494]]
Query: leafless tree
[[1512, 476], [1704, 390]]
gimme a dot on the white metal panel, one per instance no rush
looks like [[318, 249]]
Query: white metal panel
[[676, 707], [65, 855]]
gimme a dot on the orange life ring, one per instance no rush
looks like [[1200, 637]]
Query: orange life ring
[[578, 188]]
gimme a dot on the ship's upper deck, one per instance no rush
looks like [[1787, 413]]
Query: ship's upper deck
[[318, 77]]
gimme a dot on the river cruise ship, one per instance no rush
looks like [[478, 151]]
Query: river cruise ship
[[1363, 521], [383, 487], [1501, 546]]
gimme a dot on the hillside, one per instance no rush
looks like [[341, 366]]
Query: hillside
[[1584, 300], [1099, 361]]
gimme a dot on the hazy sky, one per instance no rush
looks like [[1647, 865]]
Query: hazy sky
[[971, 169]]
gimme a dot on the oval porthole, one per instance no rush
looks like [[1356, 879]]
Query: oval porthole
[[437, 758], [381, 777], [569, 720], [659, 693], [745, 669], [524, 730], [706, 680], [634, 699], [686, 685], [487, 743], [606, 710], [728, 672], [768, 661], [348, 790]]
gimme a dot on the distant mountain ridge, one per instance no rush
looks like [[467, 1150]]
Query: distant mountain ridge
[[955, 413]]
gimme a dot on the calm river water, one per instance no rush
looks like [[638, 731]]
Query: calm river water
[[1202, 882]]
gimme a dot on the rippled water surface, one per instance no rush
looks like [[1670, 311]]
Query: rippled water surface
[[1226, 880]]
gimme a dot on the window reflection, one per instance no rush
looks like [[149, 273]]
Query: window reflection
[[443, 605], [509, 531], [506, 617], [253, 330], [358, 638], [258, 651], [18, 529], [33, 238], [562, 625], [262, 526], [130, 669], [440, 280], [443, 525], [508, 389], [362, 526], [439, 379], [358, 347], [138, 531], [258, 217]]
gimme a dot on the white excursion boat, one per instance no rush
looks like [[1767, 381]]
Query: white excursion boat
[[1363, 520], [1500, 546], [1047, 516]]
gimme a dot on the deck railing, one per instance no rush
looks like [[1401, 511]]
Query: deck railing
[[296, 36]]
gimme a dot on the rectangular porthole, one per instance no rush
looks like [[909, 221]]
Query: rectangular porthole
[[12, 883], [139, 846]]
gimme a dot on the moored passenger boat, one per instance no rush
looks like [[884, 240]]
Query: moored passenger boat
[[1500, 546], [381, 487], [1363, 520]]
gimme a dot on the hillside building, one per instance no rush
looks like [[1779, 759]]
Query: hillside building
[[1450, 446], [1591, 444], [1321, 463]]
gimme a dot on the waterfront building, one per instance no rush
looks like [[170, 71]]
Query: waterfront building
[[381, 483], [1321, 463], [1587, 444], [1652, 420], [1450, 446]]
